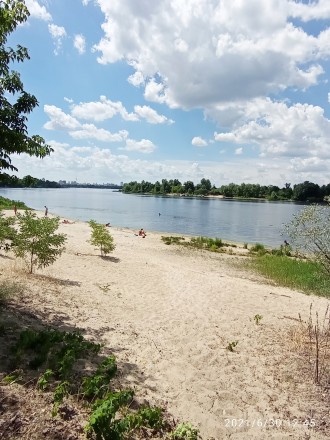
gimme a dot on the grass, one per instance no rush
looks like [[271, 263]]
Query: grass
[[210, 244], [9, 204], [294, 273]]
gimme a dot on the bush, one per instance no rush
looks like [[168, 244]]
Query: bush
[[309, 231], [36, 241], [101, 238]]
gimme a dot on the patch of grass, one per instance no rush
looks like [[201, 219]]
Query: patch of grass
[[9, 204], [210, 244], [172, 240], [294, 273], [9, 289]]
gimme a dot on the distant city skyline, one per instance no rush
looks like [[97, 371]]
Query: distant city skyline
[[227, 90]]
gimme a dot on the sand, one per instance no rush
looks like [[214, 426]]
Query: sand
[[168, 313]]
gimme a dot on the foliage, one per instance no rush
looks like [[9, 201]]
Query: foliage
[[258, 248], [295, 273], [7, 231], [36, 241], [101, 238], [257, 318], [96, 386], [309, 231], [9, 204], [185, 431], [172, 240], [16, 103], [231, 346], [26, 182]]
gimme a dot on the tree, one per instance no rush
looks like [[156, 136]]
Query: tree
[[14, 138], [309, 231], [101, 238], [36, 241]]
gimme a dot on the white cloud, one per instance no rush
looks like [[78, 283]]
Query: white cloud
[[206, 41], [38, 11], [282, 130], [80, 43], [150, 115], [143, 146], [89, 131], [239, 151], [197, 141], [59, 120], [137, 79], [58, 33], [102, 110]]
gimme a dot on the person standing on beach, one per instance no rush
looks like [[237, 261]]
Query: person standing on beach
[[46, 211], [15, 209]]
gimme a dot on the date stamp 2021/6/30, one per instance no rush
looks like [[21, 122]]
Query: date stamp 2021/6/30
[[269, 423]]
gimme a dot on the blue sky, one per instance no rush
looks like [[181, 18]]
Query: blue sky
[[230, 90]]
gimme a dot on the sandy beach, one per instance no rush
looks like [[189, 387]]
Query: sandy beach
[[168, 313]]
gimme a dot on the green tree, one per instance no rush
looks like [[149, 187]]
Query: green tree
[[101, 238], [36, 241], [309, 232], [15, 102]]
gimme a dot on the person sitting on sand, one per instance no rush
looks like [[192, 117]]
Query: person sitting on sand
[[142, 233], [107, 225], [66, 222]]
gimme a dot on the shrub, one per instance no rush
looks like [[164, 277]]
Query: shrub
[[101, 238], [36, 241], [309, 231]]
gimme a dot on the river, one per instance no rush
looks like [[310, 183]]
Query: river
[[235, 220]]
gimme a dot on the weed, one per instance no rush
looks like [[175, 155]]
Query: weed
[[13, 377], [185, 431], [61, 391], [96, 386], [257, 319], [231, 346], [259, 249], [103, 420], [9, 289], [43, 381], [245, 246], [172, 240]]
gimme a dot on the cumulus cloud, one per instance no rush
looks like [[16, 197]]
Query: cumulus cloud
[[58, 33], [273, 54], [282, 130], [142, 146], [150, 115], [89, 131], [38, 11], [102, 110], [197, 141], [79, 43], [59, 120]]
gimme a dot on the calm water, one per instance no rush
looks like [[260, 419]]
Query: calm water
[[247, 222]]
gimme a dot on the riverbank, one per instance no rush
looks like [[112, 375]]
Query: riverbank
[[169, 314]]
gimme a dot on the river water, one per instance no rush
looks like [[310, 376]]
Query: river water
[[241, 221]]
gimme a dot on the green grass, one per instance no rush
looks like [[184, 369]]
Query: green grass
[[9, 204], [297, 274]]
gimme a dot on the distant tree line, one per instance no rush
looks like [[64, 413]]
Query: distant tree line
[[306, 191], [26, 182]]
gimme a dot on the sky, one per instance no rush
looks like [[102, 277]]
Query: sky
[[228, 90]]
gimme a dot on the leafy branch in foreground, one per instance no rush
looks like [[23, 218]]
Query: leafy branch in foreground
[[13, 115], [36, 241]]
